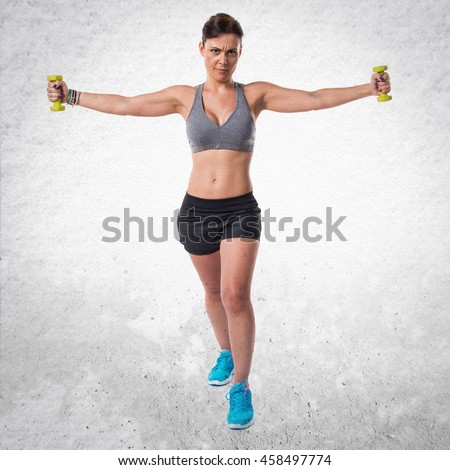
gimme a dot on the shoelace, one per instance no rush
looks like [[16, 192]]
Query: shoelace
[[237, 398], [221, 362]]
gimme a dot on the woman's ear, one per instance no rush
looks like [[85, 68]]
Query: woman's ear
[[201, 48]]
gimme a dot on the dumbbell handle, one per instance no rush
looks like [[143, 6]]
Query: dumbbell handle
[[57, 106], [383, 96]]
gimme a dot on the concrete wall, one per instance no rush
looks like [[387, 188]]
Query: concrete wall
[[107, 345]]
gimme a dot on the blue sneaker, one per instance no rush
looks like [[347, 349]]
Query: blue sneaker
[[222, 372], [240, 415]]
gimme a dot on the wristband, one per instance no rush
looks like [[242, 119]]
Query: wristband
[[73, 97]]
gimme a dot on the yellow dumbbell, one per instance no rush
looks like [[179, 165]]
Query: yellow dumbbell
[[382, 96], [57, 106]]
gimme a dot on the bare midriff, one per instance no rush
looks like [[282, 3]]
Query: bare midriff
[[220, 174]]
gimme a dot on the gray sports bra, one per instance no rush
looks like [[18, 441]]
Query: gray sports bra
[[236, 133]]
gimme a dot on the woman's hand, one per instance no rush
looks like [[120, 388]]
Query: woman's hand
[[379, 83], [57, 91]]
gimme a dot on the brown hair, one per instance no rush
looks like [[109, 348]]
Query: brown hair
[[221, 24]]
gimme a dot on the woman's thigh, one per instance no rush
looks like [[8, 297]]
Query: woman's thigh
[[238, 259], [208, 268]]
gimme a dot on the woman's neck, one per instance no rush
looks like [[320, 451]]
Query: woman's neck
[[215, 85]]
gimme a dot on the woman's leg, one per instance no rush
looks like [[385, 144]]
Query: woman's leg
[[208, 268], [238, 258]]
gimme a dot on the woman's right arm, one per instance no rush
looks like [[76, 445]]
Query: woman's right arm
[[167, 101]]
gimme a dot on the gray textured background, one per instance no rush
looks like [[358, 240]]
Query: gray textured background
[[107, 345]]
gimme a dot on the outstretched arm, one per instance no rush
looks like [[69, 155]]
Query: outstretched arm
[[160, 103], [286, 100]]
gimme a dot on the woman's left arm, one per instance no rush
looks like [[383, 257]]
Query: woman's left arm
[[286, 100]]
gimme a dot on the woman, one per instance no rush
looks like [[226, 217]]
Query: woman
[[219, 220]]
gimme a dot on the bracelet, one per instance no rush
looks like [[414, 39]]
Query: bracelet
[[73, 97]]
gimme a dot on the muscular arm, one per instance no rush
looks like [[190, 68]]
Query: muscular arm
[[287, 100], [330, 97], [160, 103]]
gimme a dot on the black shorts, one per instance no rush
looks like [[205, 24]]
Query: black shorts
[[203, 223]]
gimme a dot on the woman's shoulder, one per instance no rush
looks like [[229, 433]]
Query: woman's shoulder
[[183, 89], [183, 93], [255, 91], [255, 87]]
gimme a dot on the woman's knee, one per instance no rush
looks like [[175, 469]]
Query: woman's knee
[[212, 292], [235, 299]]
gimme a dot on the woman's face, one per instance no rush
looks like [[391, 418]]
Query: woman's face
[[221, 55]]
